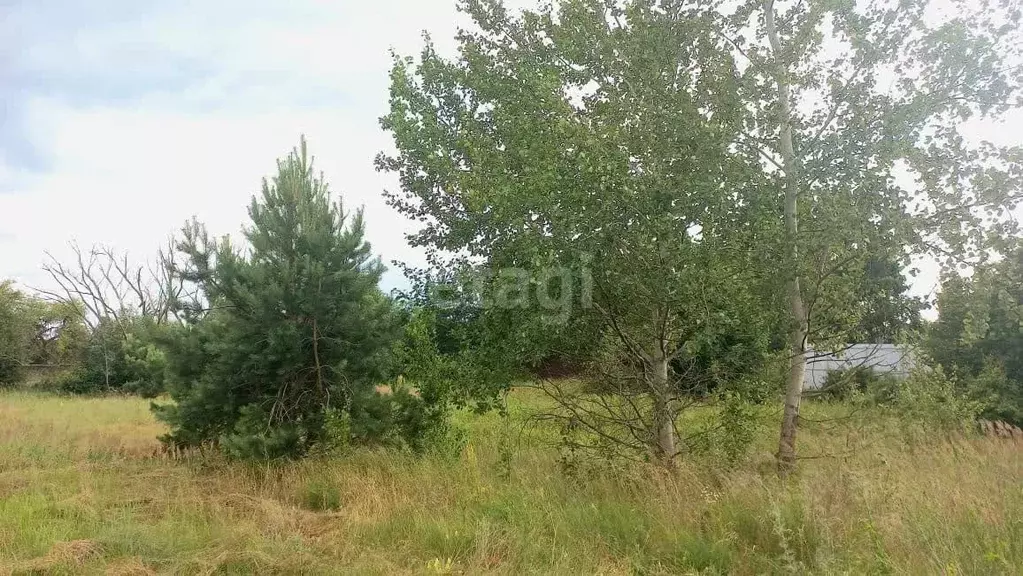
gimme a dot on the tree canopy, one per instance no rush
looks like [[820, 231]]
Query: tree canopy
[[764, 164], [978, 335]]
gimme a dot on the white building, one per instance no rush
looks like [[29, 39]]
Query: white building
[[884, 359]]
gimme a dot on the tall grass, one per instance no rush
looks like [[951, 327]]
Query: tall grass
[[85, 489]]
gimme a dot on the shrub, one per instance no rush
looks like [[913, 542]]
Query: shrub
[[726, 433], [842, 385], [407, 420], [337, 433], [431, 382], [1000, 397], [739, 427], [121, 356], [929, 400], [977, 336]]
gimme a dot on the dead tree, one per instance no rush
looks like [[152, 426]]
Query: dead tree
[[107, 287]]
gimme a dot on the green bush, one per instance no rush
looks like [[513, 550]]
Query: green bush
[[120, 357], [431, 382], [337, 433], [1000, 397], [725, 434], [931, 399], [925, 402], [977, 336], [406, 419], [58, 382], [843, 385]]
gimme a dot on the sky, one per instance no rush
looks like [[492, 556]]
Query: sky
[[121, 119]]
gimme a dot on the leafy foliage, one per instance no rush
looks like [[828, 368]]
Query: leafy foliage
[[120, 356], [978, 336], [581, 180], [927, 401], [34, 331], [842, 385], [844, 100], [890, 314], [15, 330]]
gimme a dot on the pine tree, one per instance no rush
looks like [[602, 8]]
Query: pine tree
[[283, 335]]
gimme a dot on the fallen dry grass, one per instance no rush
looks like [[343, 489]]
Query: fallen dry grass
[[84, 489]]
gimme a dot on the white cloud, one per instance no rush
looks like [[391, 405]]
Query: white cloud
[[130, 174], [130, 178]]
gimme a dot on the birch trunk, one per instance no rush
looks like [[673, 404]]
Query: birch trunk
[[797, 312], [664, 414]]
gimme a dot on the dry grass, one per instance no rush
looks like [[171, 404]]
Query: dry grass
[[83, 489]]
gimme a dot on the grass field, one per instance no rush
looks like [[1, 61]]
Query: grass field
[[84, 489]]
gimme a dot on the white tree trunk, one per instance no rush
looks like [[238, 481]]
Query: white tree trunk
[[797, 312], [664, 413]]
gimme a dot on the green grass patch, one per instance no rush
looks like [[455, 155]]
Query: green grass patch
[[84, 489]]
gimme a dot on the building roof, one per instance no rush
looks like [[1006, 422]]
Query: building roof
[[892, 359]]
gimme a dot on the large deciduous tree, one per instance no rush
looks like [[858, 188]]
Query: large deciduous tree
[[856, 108], [595, 157], [749, 162]]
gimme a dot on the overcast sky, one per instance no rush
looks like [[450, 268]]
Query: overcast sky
[[124, 118]]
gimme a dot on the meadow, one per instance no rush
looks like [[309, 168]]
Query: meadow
[[86, 489]]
